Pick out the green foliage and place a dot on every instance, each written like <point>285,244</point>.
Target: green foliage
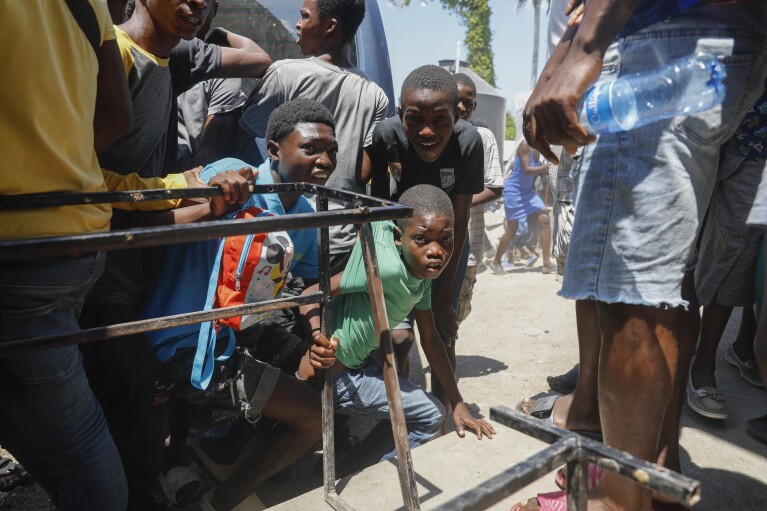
<point>511,127</point>
<point>475,16</point>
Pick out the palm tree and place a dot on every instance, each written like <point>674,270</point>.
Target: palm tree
<point>536,34</point>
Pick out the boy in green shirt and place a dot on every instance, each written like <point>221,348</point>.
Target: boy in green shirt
<point>410,255</point>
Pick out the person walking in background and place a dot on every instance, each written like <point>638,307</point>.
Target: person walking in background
<point>521,201</point>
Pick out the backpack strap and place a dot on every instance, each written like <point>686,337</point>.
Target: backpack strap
<point>82,12</point>
<point>204,358</point>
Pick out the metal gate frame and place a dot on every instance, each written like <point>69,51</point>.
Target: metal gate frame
<point>571,449</point>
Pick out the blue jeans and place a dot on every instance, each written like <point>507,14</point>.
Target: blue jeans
<point>362,392</point>
<point>641,195</point>
<point>49,417</point>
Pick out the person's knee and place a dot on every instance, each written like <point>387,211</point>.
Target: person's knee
<point>403,336</point>
<point>544,220</point>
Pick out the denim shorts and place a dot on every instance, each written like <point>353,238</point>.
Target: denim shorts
<point>640,195</point>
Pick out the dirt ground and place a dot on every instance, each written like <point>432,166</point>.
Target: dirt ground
<point>518,332</point>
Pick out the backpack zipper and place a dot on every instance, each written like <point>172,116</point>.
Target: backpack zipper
<point>243,258</point>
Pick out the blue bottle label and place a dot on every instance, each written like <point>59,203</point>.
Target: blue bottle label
<point>598,110</point>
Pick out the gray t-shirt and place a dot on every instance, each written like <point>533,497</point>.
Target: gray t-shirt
<point>356,102</point>
<point>211,97</point>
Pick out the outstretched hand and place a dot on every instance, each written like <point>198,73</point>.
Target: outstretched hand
<point>236,187</point>
<point>462,418</point>
<point>322,354</point>
<point>574,9</point>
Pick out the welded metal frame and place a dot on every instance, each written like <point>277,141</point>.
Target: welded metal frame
<point>364,209</point>
<point>576,452</point>
<point>571,449</point>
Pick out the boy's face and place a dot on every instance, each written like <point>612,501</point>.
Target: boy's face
<point>428,117</point>
<point>467,103</point>
<point>427,245</point>
<point>179,18</point>
<point>308,154</point>
<point>312,29</point>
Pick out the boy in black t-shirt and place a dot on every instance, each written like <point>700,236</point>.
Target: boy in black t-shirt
<point>428,144</point>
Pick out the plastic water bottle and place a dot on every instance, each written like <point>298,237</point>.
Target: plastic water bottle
<point>685,86</point>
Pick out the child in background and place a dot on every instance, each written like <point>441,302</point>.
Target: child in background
<point>410,255</point>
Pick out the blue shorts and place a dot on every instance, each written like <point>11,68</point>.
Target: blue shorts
<point>641,195</point>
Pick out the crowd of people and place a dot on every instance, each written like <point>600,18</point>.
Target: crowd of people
<point>647,225</point>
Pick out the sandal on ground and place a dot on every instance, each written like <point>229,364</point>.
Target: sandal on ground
<point>181,485</point>
<point>747,368</point>
<point>557,501</point>
<point>564,383</point>
<point>758,428</point>
<point>544,410</point>
<point>12,475</point>
<point>594,474</point>
<point>552,268</point>
<point>251,503</point>
<point>497,268</point>
<point>707,401</point>
<point>531,261</point>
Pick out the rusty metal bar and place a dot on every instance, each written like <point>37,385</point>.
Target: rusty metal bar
<point>577,484</point>
<point>47,200</point>
<point>78,245</point>
<point>513,479</point>
<point>147,325</point>
<point>396,412</point>
<point>328,409</point>
<point>678,487</point>
<point>337,503</point>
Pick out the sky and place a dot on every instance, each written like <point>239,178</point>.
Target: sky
<point>425,33</point>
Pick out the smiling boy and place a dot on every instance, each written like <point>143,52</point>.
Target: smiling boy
<point>410,256</point>
<point>428,144</point>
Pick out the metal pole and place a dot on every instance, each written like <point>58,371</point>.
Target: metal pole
<point>149,325</point>
<point>577,485</point>
<point>397,414</point>
<point>328,440</point>
<point>78,245</point>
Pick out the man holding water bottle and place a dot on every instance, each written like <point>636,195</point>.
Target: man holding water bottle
<point>641,195</point>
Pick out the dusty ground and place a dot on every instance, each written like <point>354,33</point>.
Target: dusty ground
<point>519,332</point>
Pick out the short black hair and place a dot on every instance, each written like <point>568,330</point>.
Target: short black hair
<point>349,13</point>
<point>466,81</point>
<point>426,200</point>
<point>430,77</point>
<point>283,120</point>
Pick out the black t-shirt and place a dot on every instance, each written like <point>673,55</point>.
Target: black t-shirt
<point>191,62</point>
<point>458,170</point>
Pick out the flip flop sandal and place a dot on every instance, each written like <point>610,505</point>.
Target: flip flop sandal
<point>557,501</point>
<point>594,474</point>
<point>11,470</point>
<point>181,485</point>
<point>543,410</point>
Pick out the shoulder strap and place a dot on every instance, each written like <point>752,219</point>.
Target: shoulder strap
<point>204,358</point>
<point>82,12</point>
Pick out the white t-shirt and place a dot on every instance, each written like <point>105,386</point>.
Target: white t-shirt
<point>493,179</point>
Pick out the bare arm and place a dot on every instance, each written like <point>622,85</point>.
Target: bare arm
<point>322,353</point>
<point>217,138</point>
<point>240,57</point>
<point>549,116</point>
<point>377,172</point>
<point>114,107</point>
<point>487,195</point>
<point>435,352</point>
<point>524,161</point>
<point>448,326</point>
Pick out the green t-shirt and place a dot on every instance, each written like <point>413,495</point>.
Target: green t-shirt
<point>352,314</point>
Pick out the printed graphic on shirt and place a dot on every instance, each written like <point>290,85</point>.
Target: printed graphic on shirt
<point>447,177</point>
